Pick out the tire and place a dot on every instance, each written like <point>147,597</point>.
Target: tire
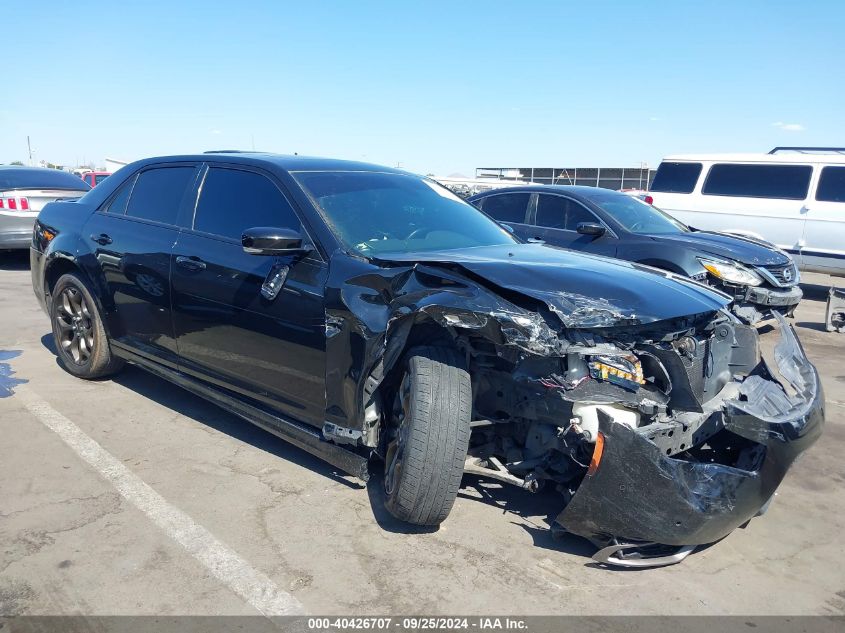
<point>81,341</point>
<point>425,457</point>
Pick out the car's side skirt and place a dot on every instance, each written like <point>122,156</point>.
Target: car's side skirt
<point>298,434</point>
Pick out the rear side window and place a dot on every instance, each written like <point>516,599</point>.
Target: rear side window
<point>158,193</point>
<point>676,177</point>
<point>507,207</point>
<point>831,185</point>
<point>557,212</point>
<point>785,182</point>
<point>233,201</point>
<point>118,204</point>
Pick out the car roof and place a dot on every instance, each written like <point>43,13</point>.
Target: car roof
<point>577,190</point>
<point>785,158</point>
<point>291,163</point>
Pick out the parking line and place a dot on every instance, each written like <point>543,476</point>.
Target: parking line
<point>223,562</point>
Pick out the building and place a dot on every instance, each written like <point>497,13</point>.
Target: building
<point>606,177</point>
<point>112,164</point>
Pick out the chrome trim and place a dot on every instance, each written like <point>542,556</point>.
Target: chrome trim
<point>607,556</point>
<point>768,276</point>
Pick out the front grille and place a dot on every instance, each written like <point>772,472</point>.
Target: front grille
<point>783,275</point>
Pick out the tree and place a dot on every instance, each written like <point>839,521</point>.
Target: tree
<point>16,162</point>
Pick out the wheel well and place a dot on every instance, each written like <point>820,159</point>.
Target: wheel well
<point>424,333</point>
<point>55,270</point>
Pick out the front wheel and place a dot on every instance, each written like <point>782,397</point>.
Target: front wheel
<point>427,448</point>
<point>81,340</point>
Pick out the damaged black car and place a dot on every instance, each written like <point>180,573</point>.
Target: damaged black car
<point>359,311</point>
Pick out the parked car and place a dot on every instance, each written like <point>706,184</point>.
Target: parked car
<point>23,193</point>
<point>758,276</point>
<point>792,197</point>
<point>357,311</point>
<point>95,178</point>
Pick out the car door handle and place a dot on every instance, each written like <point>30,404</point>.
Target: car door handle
<point>191,263</point>
<point>102,239</point>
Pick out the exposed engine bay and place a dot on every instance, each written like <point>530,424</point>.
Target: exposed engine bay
<point>540,416</point>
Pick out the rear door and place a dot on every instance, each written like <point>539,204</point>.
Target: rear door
<point>272,350</point>
<point>556,219</point>
<point>131,237</point>
<point>824,229</point>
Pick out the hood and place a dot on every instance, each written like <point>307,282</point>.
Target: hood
<point>583,290</point>
<point>745,250</point>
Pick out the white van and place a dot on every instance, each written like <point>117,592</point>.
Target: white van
<point>793,197</point>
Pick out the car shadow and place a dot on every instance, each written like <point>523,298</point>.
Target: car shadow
<point>537,513</point>
<point>187,404</point>
<point>818,292</point>
<point>532,509</point>
<point>14,260</point>
<point>812,325</point>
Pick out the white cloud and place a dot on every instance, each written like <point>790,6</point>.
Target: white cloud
<point>789,127</point>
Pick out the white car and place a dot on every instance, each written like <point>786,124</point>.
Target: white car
<point>23,193</point>
<point>791,197</point>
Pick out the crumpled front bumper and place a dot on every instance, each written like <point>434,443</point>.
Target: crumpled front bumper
<point>637,493</point>
<point>772,298</point>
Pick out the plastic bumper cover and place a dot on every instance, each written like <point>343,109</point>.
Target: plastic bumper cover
<point>639,494</point>
<point>769,297</point>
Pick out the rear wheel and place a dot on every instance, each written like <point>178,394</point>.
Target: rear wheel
<point>425,454</point>
<point>81,340</point>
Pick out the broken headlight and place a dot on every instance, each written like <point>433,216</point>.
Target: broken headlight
<point>732,272</point>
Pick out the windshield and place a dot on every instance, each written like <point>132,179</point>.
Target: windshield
<point>372,213</point>
<point>636,215</point>
<point>39,178</point>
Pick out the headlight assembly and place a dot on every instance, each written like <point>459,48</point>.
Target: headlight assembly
<point>732,272</point>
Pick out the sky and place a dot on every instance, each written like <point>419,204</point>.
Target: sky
<point>432,87</point>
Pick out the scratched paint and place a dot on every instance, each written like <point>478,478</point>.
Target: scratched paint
<point>7,380</point>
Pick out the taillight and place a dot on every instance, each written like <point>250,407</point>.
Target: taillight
<point>24,204</point>
<point>2,203</point>
<point>13,204</point>
<point>648,200</point>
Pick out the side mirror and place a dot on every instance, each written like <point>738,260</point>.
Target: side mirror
<point>591,228</point>
<point>266,240</point>
<point>507,227</point>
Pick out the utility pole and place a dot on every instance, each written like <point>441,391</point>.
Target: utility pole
<point>29,147</point>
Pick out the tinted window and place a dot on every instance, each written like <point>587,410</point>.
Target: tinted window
<point>39,178</point>
<point>158,193</point>
<point>99,179</point>
<point>676,177</point>
<point>832,185</point>
<point>88,178</point>
<point>788,182</point>
<point>557,212</point>
<point>233,201</point>
<point>118,205</point>
<point>507,207</point>
<point>373,213</point>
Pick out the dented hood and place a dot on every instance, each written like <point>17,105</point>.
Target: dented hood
<point>583,290</point>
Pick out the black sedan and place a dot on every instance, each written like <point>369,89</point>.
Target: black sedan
<point>758,276</point>
<point>359,311</point>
